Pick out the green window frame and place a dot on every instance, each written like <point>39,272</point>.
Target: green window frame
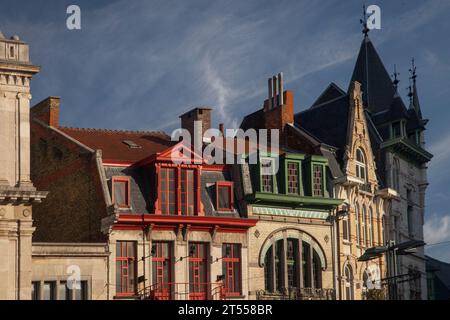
<point>289,177</point>
<point>264,178</point>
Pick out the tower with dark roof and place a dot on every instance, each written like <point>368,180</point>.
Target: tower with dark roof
<point>398,143</point>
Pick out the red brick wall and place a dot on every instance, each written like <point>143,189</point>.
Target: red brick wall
<point>74,207</point>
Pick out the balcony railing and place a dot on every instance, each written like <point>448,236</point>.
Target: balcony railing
<point>183,291</point>
<point>366,187</point>
<point>297,294</point>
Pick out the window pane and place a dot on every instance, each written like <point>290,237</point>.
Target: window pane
<point>168,191</point>
<point>63,291</point>
<point>81,293</point>
<point>120,193</point>
<point>224,197</point>
<point>317,180</point>
<point>292,178</point>
<point>36,286</point>
<point>125,267</point>
<point>49,291</point>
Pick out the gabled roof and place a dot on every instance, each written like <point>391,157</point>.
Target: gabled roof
<point>331,92</point>
<point>115,144</point>
<point>376,83</point>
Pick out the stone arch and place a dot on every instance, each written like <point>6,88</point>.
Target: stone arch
<point>292,232</point>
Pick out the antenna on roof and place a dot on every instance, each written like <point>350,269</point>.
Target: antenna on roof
<point>363,22</point>
<point>394,75</point>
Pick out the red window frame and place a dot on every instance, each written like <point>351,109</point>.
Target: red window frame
<point>198,261</point>
<point>230,187</point>
<point>180,207</point>
<point>165,206</point>
<point>232,269</point>
<point>161,263</point>
<point>125,262</point>
<point>121,179</point>
<point>186,192</point>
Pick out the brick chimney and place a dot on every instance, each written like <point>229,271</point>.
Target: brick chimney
<point>279,107</point>
<point>196,114</point>
<point>47,111</point>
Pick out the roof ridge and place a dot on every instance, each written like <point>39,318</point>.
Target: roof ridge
<point>112,131</point>
<point>323,104</point>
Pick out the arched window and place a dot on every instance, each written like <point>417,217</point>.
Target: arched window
<point>396,174</point>
<point>364,226</point>
<point>361,170</point>
<point>294,261</point>
<point>357,223</point>
<point>369,228</point>
<point>346,228</point>
<point>348,282</point>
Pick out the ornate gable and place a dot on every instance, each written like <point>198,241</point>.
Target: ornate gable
<point>358,142</point>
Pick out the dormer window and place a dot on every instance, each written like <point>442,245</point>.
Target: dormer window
<point>292,174</point>
<point>178,191</point>
<point>224,196</point>
<point>361,169</point>
<point>267,166</point>
<point>121,191</point>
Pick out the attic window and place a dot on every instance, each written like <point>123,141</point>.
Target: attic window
<point>132,144</point>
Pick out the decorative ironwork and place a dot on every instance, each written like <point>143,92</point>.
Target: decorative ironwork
<point>183,291</point>
<point>297,294</point>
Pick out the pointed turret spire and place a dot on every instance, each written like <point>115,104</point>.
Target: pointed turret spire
<point>414,95</point>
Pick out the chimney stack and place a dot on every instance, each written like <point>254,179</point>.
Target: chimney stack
<point>47,111</point>
<point>201,114</point>
<point>279,107</point>
<point>276,90</point>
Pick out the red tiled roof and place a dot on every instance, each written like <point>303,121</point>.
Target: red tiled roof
<point>111,142</point>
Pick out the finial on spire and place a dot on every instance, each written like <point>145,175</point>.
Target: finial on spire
<point>412,71</point>
<point>363,22</point>
<point>394,75</point>
<point>410,94</point>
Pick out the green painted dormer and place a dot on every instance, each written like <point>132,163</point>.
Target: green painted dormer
<point>298,180</point>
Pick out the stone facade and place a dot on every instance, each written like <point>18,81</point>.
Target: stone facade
<point>17,192</point>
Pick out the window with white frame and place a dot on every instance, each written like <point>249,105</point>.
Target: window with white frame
<point>361,169</point>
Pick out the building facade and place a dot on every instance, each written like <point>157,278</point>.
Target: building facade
<point>398,140</point>
<point>166,215</point>
<point>288,191</point>
<point>341,122</point>
<point>17,192</point>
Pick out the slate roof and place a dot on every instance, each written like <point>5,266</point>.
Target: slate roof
<point>441,272</point>
<point>112,144</point>
<point>376,83</point>
<point>327,122</point>
<point>254,120</point>
<point>331,92</point>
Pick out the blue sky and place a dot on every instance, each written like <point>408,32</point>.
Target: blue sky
<point>140,64</point>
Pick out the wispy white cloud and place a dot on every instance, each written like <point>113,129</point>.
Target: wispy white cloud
<point>437,229</point>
